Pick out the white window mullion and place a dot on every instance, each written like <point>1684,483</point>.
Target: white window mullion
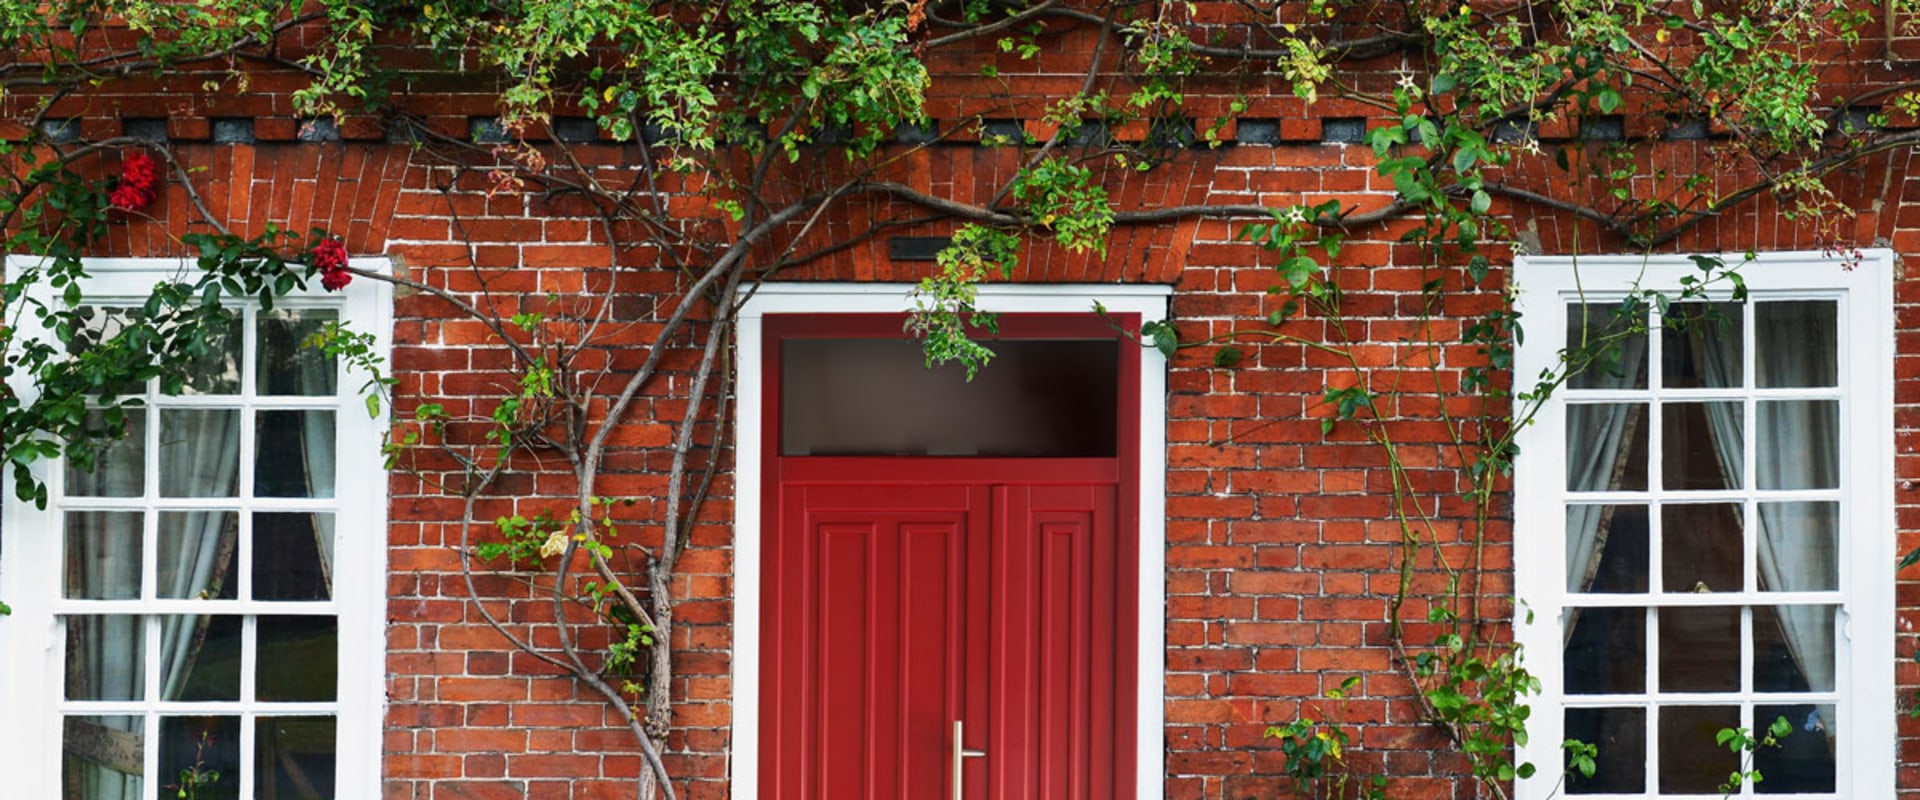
<point>1651,709</point>
<point>249,661</point>
<point>150,757</point>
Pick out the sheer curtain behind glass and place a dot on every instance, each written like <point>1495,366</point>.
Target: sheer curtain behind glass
<point>1796,447</point>
<point>1598,437</point>
<point>201,451</point>
<point>288,367</point>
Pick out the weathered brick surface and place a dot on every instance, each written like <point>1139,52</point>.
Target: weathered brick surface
<point>1279,554</point>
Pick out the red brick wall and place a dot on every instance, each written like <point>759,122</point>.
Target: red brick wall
<point>1279,547</point>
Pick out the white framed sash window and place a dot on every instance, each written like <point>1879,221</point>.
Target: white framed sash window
<point>1704,525</point>
<point>203,611</point>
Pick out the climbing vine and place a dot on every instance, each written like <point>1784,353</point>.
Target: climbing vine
<point>753,122</point>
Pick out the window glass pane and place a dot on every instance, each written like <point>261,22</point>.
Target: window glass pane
<point>1701,346</point>
<point>99,326</point>
<point>103,555</point>
<point>1799,547</point>
<point>1702,445</point>
<point>1700,650</point>
<point>1606,447</point>
<point>293,454</point>
<point>1793,648</point>
<point>1607,346</point>
<point>1691,760</point>
<point>292,556</point>
<point>105,654</point>
<point>1702,548</point>
<point>1803,760</point>
<point>200,657</point>
<point>101,323</point>
<point>294,757</point>
<point>217,369</point>
<point>195,555</point>
<point>1606,549</point>
<point>101,757</point>
<point>119,468</point>
<point>299,658</point>
<point>877,397</point>
<point>202,753</point>
<point>1795,344</point>
<point>199,452</point>
<point>287,365</point>
<point>1606,651</point>
<point>1799,444</point>
<point>1619,738</point>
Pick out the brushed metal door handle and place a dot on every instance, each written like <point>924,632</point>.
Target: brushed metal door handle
<point>960,755</point>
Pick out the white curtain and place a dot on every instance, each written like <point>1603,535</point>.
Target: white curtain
<point>288,366</point>
<point>317,459</point>
<point>104,562</point>
<point>1795,550</point>
<point>204,462</point>
<point>1597,444</point>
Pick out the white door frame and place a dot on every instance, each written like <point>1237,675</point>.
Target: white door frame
<point>1148,301</point>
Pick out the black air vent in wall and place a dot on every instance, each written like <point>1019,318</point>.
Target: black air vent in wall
<point>916,248</point>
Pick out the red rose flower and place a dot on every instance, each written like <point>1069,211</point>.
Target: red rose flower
<point>330,259</point>
<point>329,255</point>
<point>335,280</point>
<point>139,182</point>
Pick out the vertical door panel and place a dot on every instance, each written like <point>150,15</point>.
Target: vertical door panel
<point>865,666</point>
<point>842,670</point>
<point>1053,646</point>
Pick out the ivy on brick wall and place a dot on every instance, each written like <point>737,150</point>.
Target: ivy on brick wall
<point>760,126</point>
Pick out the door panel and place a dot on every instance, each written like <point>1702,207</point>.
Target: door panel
<point>1053,644</point>
<point>895,610</point>
<point>868,670</point>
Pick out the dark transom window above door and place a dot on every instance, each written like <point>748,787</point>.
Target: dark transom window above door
<point>876,397</point>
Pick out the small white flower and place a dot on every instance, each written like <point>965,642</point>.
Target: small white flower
<point>555,545</point>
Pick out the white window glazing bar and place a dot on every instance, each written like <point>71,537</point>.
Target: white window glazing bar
<point>203,707</point>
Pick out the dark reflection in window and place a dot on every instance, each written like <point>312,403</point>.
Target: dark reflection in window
<point>299,658</point>
<point>200,757</point>
<point>1702,449</point>
<point>1702,345</point>
<point>1610,339</point>
<point>292,556</point>
<point>1700,649</point>
<point>205,662</point>
<point>878,397</point>
<point>1619,738</point>
<point>1802,761</point>
<point>1702,547</point>
<point>294,757</point>
<point>1609,549</point>
<point>1607,653</point>
<point>1692,761</point>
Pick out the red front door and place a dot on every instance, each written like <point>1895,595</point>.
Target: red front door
<point>912,598</point>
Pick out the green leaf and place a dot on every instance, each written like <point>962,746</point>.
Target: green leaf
<point>1166,340</point>
<point>1481,202</point>
<point>1608,99</point>
<point>1227,356</point>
